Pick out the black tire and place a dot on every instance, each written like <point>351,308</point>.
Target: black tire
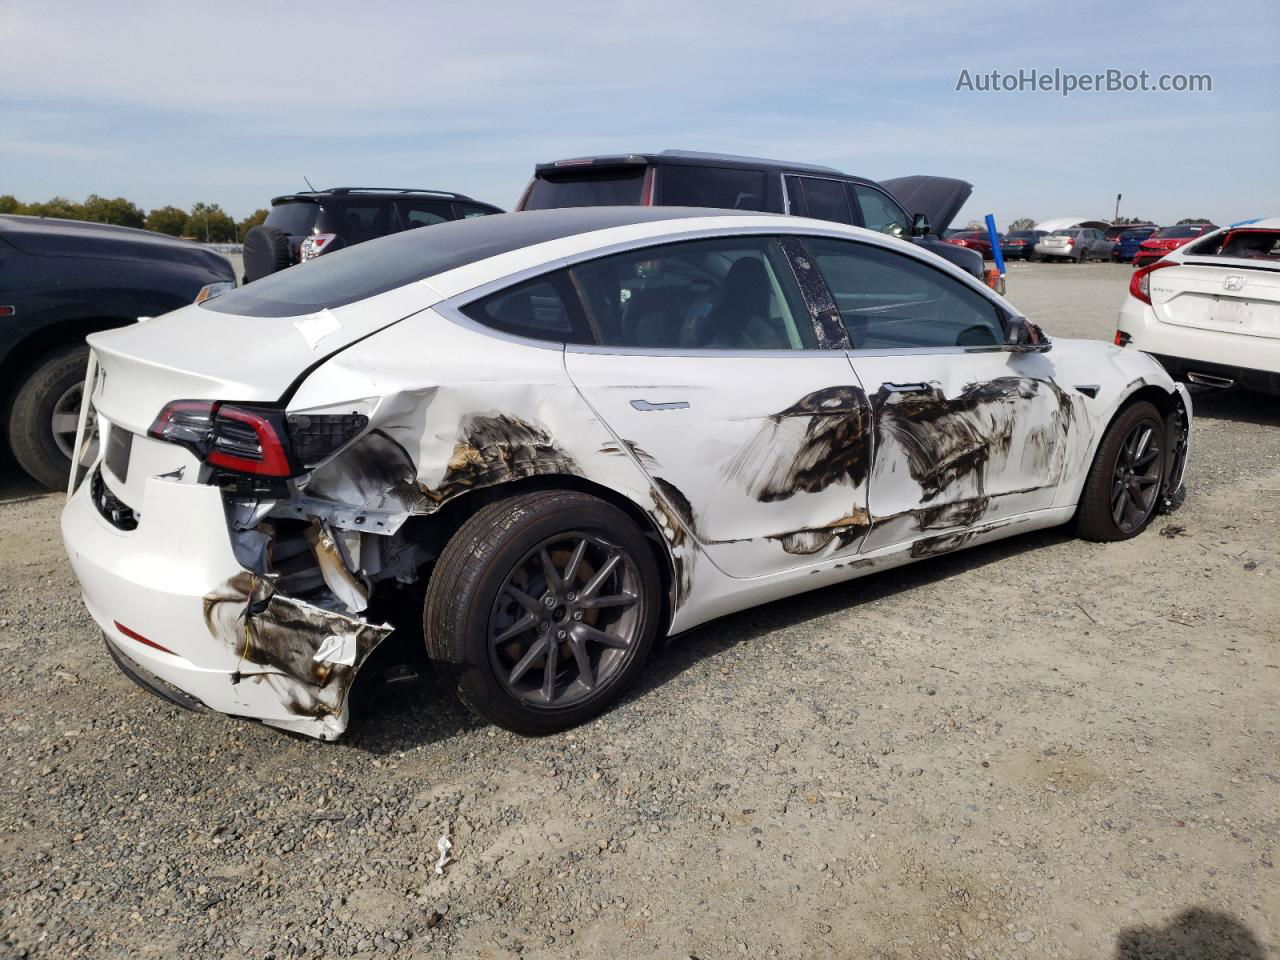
<point>266,251</point>
<point>34,437</point>
<point>1096,516</point>
<point>470,607</point>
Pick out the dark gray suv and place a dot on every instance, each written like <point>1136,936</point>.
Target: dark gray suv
<point>685,178</point>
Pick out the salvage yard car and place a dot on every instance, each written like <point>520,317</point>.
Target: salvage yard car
<point>1165,240</point>
<point>1210,310</point>
<point>59,281</point>
<point>571,432</point>
<point>1078,243</point>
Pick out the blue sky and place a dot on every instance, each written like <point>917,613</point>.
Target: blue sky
<point>234,102</point>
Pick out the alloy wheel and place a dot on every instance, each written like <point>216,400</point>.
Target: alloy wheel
<point>1136,480</point>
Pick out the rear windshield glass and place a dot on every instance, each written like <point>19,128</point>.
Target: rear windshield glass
<point>1243,244</point>
<point>1139,234</point>
<point>293,218</point>
<point>1178,233</point>
<point>607,189</point>
<point>722,187</point>
<point>1025,234</point>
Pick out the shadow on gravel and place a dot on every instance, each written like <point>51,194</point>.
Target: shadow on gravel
<point>1237,406</point>
<point>1194,934</point>
<point>16,485</point>
<point>706,641</point>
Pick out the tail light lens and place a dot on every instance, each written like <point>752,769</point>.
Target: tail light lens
<point>1122,339</point>
<point>646,190</point>
<point>260,441</point>
<point>315,245</point>
<point>1140,282</point>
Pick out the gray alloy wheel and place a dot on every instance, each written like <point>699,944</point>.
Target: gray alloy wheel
<point>66,419</point>
<point>565,620</point>
<point>1135,481</point>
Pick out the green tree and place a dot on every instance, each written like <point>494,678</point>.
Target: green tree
<point>170,220</point>
<point>252,220</point>
<point>1022,223</point>
<point>209,222</point>
<point>1124,220</point>
<point>116,210</point>
<point>57,207</point>
<point>9,204</point>
<point>1194,220</point>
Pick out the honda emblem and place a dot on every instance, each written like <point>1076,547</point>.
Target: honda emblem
<point>1233,282</point>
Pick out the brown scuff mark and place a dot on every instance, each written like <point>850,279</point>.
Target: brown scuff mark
<point>934,546</point>
<point>673,513</point>
<point>277,639</point>
<point>834,447</point>
<point>497,448</point>
<point>844,532</point>
<point>944,440</point>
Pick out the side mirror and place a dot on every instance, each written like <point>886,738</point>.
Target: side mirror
<point>1023,336</point>
<point>919,225</point>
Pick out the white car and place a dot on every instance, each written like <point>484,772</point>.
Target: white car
<point>564,433</point>
<point>1210,310</point>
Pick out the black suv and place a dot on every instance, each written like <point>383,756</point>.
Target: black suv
<point>686,178</point>
<point>305,225</point>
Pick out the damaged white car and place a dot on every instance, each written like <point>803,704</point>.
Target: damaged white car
<point>563,434</point>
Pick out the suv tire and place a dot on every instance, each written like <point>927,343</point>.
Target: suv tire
<point>266,251</point>
<point>33,434</point>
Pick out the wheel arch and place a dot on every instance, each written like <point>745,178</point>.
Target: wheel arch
<point>45,340</point>
<point>436,528</point>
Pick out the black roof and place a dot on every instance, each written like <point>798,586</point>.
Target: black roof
<point>312,196</point>
<point>686,158</point>
<point>376,266</point>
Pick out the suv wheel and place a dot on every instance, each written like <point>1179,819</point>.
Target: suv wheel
<point>45,414</point>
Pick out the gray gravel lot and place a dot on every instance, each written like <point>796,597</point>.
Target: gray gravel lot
<point>1039,748</point>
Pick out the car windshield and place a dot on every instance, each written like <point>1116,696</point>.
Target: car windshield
<point>1024,234</point>
<point>587,189</point>
<point>1140,234</point>
<point>1245,244</point>
<point>1180,232</point>
<point>1066,233</point>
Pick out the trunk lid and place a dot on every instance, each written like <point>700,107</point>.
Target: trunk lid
<point>198,354</point>
<point>1224,296</point>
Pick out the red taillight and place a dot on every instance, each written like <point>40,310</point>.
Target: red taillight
<point>248,443</point>
<point>646,191</point>
<point>134,635</point>
<point>1070,241</point>
<point>1122,339</point>
<point>1140,284</point>
<point>315,245</point>
<point>234,438</point>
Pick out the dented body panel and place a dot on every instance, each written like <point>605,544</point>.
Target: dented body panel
<point>756,475</point>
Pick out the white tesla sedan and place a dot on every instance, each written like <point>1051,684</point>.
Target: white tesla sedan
<point>1210,310</point>
<point>571,431</point>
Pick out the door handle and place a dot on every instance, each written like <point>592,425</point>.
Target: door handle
<point>907,388</point>
<point>644,406</point>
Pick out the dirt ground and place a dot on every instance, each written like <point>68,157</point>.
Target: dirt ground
<point>1039,748</point>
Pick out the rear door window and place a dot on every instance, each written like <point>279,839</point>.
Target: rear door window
<point>368,220</point>
<point>891,300</point>
<point>545,308</point>
<point>879,211</point>
<point>607,188</point>
<point>422,213</point>
<point>464,211</point>
<point>724,187</point>
<point>824,199</point>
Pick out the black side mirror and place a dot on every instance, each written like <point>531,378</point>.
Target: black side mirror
<point>919,225</point>
<point>1023,336</point>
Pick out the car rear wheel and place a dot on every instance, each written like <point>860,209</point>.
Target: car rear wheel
<point>542,609</point>
<point>1123,488</point>
<point>45,415</point>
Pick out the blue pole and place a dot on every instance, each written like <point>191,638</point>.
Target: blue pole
<point>995,243</point>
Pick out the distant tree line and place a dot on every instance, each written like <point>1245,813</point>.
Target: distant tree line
<point>204,221</point>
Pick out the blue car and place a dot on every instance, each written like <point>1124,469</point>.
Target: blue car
<point>1127,246</point>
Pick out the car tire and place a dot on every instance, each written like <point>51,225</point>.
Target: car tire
<point>1122,491</point>
<point>266,251</point>
<point>42,445</point>
<point>492,577</point>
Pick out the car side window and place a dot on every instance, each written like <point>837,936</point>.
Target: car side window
<point>879,211</point>
<point>727,293</point>
<point>824,199</point>
<point>890,299</point>
<point>368,219</point>
<point>544,308</point>
<point>466,211</point>
<point>727,187</point>
<point>422,214</point>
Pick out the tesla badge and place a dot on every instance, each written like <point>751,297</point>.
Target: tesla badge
<point>1233,283</point>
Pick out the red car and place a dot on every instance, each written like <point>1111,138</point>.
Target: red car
<point>974,240</point>
<point>1168,238</point>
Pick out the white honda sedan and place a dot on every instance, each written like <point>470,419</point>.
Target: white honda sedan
<point>1210,310</point>
<point>563,434</point>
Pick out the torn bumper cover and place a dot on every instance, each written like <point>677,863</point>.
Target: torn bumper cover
<point>172,599</point>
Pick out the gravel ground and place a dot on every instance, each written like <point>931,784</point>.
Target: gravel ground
<point>1039,748</point>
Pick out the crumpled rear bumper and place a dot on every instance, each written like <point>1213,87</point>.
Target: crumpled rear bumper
<point>172,599</point>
